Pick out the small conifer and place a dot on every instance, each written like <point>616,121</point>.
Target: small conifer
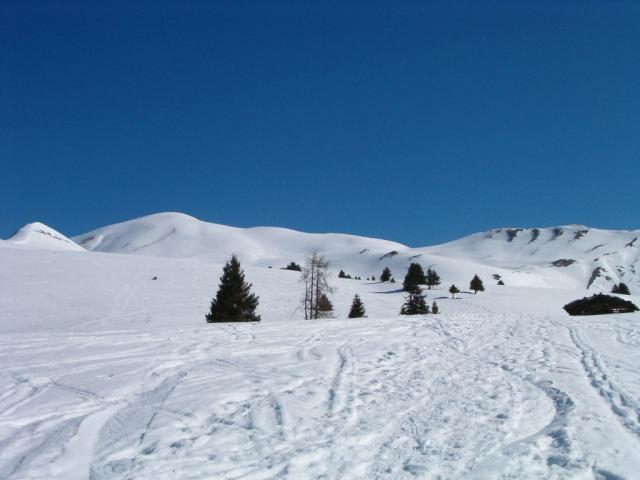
<point>234,301</point>
<point>386,275</point>
<point>325,308</point>
<point>476,284</point>
<point>433,279</point>
<point>357,308</point>
<point>415,276</point>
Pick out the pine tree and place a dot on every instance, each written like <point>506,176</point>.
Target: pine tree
<point>234,301</point>
<point>325,308</point>
<point>500,282</point>
<point>414,305</point>
<point>453,290</point>
<point>621,289</point>
<point>434,308</point>
<point>415,276</point>
<point>342,274</point>
<point>357,308</point>
<point>386,275</point>
<point>393,280</point>
<point>433,279</point>
<point>476,284</point>
<point>373,278</point>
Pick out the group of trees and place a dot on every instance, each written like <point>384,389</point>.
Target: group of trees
<point>348,276</point>
<point>621,289</point>
<point>416,276</point>
<point>234,301</point>
<point>416,304</point>
<point>293,266</point>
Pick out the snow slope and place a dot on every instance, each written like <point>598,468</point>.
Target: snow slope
<point>583,257</point>
<point>175,235</point>
<point>571,256</point>
<point>39,236</point>
<point>106,373</point>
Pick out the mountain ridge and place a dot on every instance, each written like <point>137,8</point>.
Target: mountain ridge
<point>567,256</point>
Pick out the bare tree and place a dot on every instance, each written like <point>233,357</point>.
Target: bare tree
<point>316,286</point>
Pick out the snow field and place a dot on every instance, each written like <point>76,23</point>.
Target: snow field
<point>130,382</point>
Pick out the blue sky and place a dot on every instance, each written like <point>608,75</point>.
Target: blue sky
<point>413,121</point>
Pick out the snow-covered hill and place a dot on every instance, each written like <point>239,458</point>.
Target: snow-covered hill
<point>39,236</point>
<point>175,235</point>
<point>571,256</point>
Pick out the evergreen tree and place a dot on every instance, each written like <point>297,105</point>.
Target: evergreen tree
<point>621,289</point>
<point>325,308</point>
<point>500,282</point>
<point>476,284</point>
<point>433,279</point>
<point>386,275</point>
<point>415,276</point>
<point>342,274</point>
<point>373,278</point>
<point>414,305</point>
<point>453,290</point>
<point>357,308</point>
<point>393,280</point>
<point>234,301</point>
<point>293,266</point>
<point>434,308</point>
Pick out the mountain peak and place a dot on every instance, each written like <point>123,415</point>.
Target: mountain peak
<point>41,236</point>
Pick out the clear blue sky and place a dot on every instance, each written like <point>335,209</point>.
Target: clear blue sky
<point>417,122</point>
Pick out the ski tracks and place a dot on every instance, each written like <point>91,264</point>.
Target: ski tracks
<point>623,404</point>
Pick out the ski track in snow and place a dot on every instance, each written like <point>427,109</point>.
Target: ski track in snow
<point>436,397</point>
<point>125,388</point>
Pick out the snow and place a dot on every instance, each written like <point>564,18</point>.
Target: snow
<point>40,236</point>
<point>522,257</point>
<point>106,373</point>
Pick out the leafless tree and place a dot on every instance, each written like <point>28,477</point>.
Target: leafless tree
<point>316,286</point>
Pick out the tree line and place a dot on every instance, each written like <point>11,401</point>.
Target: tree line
<point>234,301</point>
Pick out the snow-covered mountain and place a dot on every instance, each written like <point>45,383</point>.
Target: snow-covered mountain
<point>175,235</point>
<point>572,256</point>
<point>40,236</point>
